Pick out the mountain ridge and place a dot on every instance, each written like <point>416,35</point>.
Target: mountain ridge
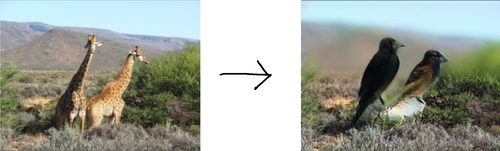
<point>61,49</point>
<point>166,43</point>
<point>344,47</point>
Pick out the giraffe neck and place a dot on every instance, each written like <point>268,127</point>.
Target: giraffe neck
<point>124,77</point>
<point>79,78</point>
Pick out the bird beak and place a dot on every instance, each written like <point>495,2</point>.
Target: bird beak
<point>443,59</point>
<point>401,45</point>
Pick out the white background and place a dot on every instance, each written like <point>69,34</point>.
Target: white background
<point>234,35</point>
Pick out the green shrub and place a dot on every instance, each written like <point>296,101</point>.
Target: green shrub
<point>22,120</point>
<point>195,129</point>
<point>44,80</point>
<point>26,79</point>
<point>170,87</point>
<point>310,100</point>
<point>468,91</point>
<point>9,97</point>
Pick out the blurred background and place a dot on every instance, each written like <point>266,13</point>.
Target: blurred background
<point>343,36</point>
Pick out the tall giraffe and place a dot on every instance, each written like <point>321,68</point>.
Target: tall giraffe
<point>72,102</point>
<point>110,103</point>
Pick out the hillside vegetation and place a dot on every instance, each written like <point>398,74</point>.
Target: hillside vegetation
<point>462,110</point>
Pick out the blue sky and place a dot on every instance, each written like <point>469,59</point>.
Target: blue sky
<point>158,18</point>
<point>454,18</point>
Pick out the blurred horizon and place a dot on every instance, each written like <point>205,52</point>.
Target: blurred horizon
<point>445,18</point>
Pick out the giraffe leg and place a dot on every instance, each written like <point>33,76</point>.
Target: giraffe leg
<point>95,115</point>
<point>81,112</point>
<point>118,110</point>
<point>74,110</point>
<point>117,118</point>
<point>89,118</point>
<point>71,118</point>
<point>97,121</point>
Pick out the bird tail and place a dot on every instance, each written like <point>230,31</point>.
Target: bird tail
<point>364,110</point>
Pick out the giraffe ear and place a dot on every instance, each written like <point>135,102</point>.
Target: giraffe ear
<point>87,45</point>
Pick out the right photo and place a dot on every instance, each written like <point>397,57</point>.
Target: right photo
<point>400,75</point>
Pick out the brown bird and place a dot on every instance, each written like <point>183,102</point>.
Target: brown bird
<point>379,73</point>
<point>423,76</point>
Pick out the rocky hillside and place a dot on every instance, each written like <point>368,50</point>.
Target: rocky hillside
<point>63,49</point>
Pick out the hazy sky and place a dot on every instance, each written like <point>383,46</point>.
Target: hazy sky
<point>158,18</point>
<point>470,19</point>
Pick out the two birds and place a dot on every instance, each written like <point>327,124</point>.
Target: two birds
<point>382,69</point>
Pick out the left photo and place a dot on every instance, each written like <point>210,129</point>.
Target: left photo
<point>92,75</point>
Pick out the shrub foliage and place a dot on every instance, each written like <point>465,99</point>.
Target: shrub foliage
<point>167,89</point>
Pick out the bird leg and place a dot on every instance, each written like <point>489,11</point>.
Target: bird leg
<point>381,100</point>
<point>378,116</point>
<point>419,120</point>
<point>419,99</point>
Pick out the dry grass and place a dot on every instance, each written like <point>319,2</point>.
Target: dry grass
<point>34,102</point>
<point>327,129</point>
<point>50,83</point>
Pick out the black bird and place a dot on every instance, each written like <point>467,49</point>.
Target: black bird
<point>379,73</point>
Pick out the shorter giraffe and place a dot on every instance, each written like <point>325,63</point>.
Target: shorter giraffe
<point>110,103</point>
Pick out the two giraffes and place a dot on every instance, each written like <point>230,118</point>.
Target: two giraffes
<point>108,103</point>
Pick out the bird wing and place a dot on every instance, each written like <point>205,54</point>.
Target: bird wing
<point>375,78</point>
<point>374,73</point>
<point>418,82</point>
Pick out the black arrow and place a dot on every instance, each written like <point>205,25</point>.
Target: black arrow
<point>255,74</point>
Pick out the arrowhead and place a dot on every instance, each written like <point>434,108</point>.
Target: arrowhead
<point>265,73</point>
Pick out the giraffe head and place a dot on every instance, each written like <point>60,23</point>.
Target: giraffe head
<point>138,56</point>
<point>91,44</point>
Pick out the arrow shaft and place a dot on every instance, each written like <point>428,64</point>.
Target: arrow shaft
<point>258,74</point>
<point>255,74</point>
